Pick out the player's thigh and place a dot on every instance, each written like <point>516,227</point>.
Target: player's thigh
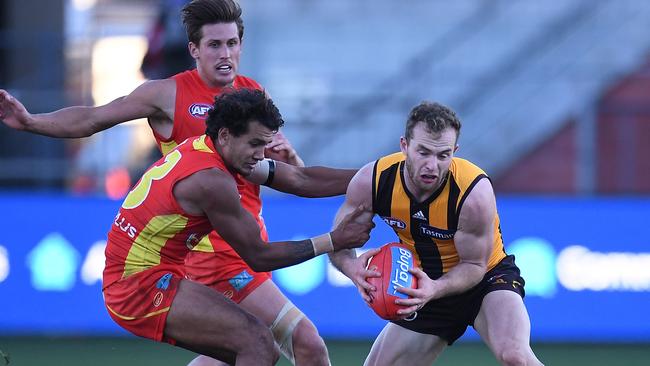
<point>503,321</point>
<point>205,321</point>
<point>397,346</point>
<point>264,302</point>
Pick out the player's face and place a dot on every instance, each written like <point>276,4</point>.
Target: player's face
<point>217,55</point>
<point>243,152</point>
<point>428,157</point>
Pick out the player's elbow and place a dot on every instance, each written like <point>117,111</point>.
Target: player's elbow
<point>477,271</point>
<point>260,264</point>
<point>263,267</point>
<point>257,261</point>
<point>92,128</point>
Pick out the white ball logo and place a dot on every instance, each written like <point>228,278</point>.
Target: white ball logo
<point>4,264</point>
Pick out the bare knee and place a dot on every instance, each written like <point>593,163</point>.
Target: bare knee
<point>308,346</point>
<point>206,361</point>
<point>513,357</point>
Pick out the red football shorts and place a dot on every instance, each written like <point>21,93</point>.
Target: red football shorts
<point>140,303</point>
<point>225,272</point>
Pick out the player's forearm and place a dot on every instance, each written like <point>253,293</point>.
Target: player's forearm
<point>324,182</point>
<point>280,254</point>
<point>276,255</point>
<point>67,122</point>
<point>462,277</point>
<point>341,258</point>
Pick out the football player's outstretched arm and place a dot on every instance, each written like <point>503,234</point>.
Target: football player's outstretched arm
<point>359,193</point>
<point>81,121</point>
<point>213,193</point>
<point>314,181</point>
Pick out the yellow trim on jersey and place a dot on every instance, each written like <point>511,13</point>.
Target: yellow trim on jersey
<point>199,144</point>
<point>385,162</point>
<point>167,146</point>
<point>145,251</point>
<point>124,317</point>
<point>204,245</point>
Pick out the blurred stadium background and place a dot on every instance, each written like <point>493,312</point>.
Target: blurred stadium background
<point>555,100</point>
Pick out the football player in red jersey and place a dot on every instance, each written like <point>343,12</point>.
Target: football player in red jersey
<point>176,109</point>
<point>187,193</point>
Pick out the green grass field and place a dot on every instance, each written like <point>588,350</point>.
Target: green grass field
<point>42,351</point>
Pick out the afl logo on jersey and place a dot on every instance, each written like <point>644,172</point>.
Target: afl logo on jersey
<point>394,223</point>
<point>200,110</point>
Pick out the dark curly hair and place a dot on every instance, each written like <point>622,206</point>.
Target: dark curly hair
<point>198,13</point>
<point>435,116</point>
<point>236,108</point>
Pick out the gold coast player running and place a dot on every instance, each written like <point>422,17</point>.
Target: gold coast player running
<point>183,196</point>
<point>176,109</point>
<point>444,207</point>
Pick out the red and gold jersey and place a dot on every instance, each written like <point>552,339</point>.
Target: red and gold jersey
<point>151,228</point>
<point>428,226</point>
<point>194,99</point>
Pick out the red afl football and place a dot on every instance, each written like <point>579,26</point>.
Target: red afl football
<point>393,261</point>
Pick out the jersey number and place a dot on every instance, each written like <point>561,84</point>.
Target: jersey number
<point>140,192</point>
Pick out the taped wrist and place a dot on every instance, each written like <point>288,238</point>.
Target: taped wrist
<point>322,244</point>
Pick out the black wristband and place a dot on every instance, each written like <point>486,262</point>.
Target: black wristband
<point>269,179</point>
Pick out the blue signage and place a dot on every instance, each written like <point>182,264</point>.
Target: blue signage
<point>586,263</point>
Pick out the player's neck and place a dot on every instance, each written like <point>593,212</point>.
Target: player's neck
<point>219,149</point>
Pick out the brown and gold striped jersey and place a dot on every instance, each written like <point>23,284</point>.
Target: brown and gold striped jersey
<point>428,226</point>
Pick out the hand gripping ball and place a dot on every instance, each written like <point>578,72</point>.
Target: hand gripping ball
<point>393,262</point>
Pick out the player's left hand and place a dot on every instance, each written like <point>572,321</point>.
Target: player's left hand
<point>280,149</point>
<point>12,112</point>
<point>418,297</point>
<point>358,272</point>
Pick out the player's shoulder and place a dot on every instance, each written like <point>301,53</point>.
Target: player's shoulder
<point>360,187</point>
<point>367,170</point>
<point>156,87</point>
<point>159,94</point>
<point>211,180</point>
<point>242,81</point>
<point>209,184</point>
<point>388,161</point>
<point>466,173</point>
<point>478,193</point>
<point>464,164</point>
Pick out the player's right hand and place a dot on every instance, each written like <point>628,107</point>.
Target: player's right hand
<point>354,230</point>
<point>12,112</point>
<point>358,271</point>
<point>280,149</point>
